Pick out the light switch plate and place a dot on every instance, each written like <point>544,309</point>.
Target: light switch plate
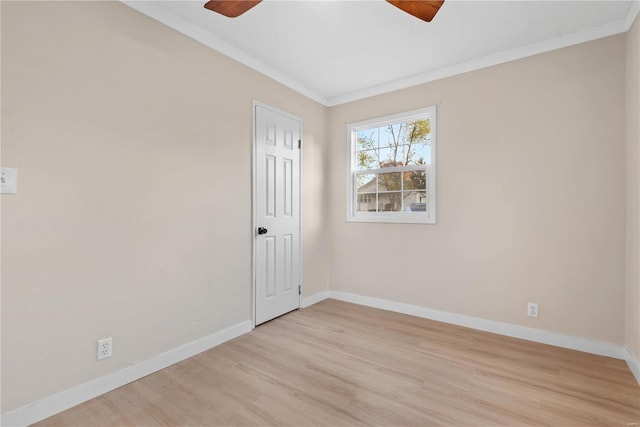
<point>8,180</point>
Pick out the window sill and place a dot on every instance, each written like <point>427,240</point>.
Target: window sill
<point>395,218</point>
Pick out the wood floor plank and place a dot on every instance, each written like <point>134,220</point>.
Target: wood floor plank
<point>340,364</point>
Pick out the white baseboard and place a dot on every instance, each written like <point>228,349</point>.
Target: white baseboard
<point>508,329</point>
<point>634,364</point>
<point>314,299</point>
<point>59,402</point>
<point>530,334</point>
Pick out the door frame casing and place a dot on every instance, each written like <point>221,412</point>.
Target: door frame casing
<point>254,203</point>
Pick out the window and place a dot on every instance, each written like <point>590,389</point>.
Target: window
<point>392,168</point>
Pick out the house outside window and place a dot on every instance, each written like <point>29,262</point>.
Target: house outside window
<point>391,175</point>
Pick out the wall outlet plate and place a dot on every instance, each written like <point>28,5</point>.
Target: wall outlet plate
<point>8,181</point>
<point>105,348</point>
<point>532,309</point>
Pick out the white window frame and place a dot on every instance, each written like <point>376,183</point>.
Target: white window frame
<point>427,217</point>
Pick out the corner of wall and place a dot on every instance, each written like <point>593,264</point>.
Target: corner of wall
<point>632,287</point>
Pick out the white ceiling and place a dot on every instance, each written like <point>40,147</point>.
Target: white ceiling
<point>339,51</point>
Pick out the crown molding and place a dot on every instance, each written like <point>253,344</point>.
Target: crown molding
<point>634,10</point>
<point>155,10</point>
<point>613,28</point>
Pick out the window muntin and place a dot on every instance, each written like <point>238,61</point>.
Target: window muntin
<point>392,168</point>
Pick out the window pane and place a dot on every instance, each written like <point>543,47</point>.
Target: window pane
<point>402,155</point>
<point>389,181</point>
<point>391,157</point>
<point>367,202</point>
<point>418,154</point>
<point>390,201</point>
<point>415,180</point>
<point>366,183</point>
<point>367,160</point>
<point>418,131</point>
<point>415,201</point>
<point>367,139</point>
<point>391,135</point>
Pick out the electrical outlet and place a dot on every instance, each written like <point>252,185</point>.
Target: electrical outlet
<point>8,181</point>
<point>105,348</point>
<point>532,309</point>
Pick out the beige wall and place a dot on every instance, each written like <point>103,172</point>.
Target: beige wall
<point>133,212</point>
<point>530,196</point>
<point>632,324</point>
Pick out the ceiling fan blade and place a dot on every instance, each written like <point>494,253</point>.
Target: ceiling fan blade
<point>421,9</point>
<point>231,8</point>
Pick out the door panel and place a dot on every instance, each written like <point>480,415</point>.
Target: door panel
<point>277,192</point>
<point>270,266</point>
<point>288,187</point>
<point>270,183</point>
<point>287,262</point>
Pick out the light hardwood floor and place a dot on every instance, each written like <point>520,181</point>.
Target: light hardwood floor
<point>339,364</point>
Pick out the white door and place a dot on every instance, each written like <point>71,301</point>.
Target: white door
<point>276,213</point>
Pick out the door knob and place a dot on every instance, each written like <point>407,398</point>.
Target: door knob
<point>262,230</point>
